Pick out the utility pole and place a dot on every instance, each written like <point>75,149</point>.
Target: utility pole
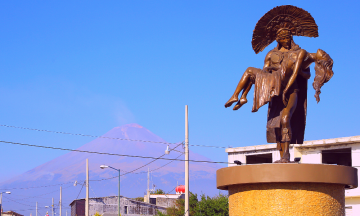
<point>52,207</point>
<point>186,162</point>
<point>60,202</point>
<point>36,210</point>
<point>148,186</point>
<point>87,189</point>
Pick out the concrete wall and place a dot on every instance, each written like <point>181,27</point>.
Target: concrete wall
<point>109,206</point>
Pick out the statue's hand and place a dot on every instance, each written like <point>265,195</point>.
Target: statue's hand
<point>284,98</point>
<point>269,69</point>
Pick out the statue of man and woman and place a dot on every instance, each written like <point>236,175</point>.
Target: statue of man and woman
<point>282,83</point>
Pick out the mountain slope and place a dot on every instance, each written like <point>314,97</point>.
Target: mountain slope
<point>70,167</point>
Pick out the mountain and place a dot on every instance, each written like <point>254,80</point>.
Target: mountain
<point>42,183</point>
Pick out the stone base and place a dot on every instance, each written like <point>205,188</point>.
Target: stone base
<point>287,199</point>
<point>286,189</point>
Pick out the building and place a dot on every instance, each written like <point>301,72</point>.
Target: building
<point>10,213</point>
<point>108,206</point>
<point>166,200</point>
<point>340,151</point>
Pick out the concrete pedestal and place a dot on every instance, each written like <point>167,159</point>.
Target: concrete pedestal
<point>287,189</point>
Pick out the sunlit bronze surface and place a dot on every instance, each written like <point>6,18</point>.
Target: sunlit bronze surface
<point>283,80</point>
<point>286,173</point>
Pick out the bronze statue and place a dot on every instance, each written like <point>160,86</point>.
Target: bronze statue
<point>283,81</point>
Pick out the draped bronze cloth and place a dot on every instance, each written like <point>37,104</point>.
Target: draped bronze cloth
<point>268,89</point>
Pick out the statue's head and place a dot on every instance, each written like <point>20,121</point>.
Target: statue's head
<point>324,72</point>
<point>322,56</point>
<point>284,38</point>
<point>280,23</point>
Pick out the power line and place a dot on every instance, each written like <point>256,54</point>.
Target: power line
<point>84,135</point>
<point>38,196</point>
<point>95,136</point>
<point>112,154</point>
<point>38,186</point>
<point>80,190</point>
<point>126,172</point>
<point>17,202</point>
<point>160,157</point>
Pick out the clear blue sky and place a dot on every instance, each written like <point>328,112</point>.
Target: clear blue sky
<point>88,66</point>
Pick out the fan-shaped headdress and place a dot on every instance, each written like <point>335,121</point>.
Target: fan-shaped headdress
<point>298,21</point>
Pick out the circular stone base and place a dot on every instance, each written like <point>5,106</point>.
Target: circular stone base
<point>286,189</point>
<point>286,199</point>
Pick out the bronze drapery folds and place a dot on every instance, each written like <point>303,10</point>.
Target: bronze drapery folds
<point>282,83</point>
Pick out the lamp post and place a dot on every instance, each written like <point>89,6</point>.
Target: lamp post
<point>105,166</point>
<point>7,192</point>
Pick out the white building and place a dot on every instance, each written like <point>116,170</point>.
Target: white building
<point>108,206</point>
<point>341,151</point>
<point>164,200</point>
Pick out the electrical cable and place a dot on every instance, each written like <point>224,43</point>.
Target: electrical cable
<point>38,186</point>
<point>110,177</point>
<point>112,154</point>
<point>37,196</point>
<point>80,190</point>
<point>17,201</point>
<point>84,135</point>
<point>95,136</point>
<point>160,157</point>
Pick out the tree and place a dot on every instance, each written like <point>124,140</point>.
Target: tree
<point>141,199</point>
<point>206,206</point>
<point>97,214</point>
<point>158,191</point>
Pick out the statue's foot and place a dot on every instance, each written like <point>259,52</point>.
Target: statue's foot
<point>239,104</point>
<point>232,100</point>
<point>283,160</point>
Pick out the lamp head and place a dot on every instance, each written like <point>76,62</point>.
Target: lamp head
<point>237,162</point>
<point>104,166</point>
<point>167,151</point>
<point>8,192</point>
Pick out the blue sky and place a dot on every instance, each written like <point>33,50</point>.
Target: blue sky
<point>88,66</point>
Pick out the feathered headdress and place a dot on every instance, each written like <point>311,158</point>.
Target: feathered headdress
<point>298,21</point>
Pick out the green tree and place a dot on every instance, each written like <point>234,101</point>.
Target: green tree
<point>141,199</point>
<point>158,191</point>
<point>97,214</point>
<point>206,206</point>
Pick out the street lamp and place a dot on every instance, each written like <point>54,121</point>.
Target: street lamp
<point>106,166</point>
<point>7,192</point>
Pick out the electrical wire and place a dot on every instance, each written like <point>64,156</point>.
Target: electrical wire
<point>80,190</point>
<point>17,202</point>
<point>24,188</point>
<point>84,135</point>
<point>160,157</point>
<point>103,137</point>
<point>112,154</point>
<point>43,194</point>
<point>126,172</point>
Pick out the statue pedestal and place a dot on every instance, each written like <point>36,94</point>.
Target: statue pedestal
<point>286,189</point>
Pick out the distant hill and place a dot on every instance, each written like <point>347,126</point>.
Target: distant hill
<point>70,167</point>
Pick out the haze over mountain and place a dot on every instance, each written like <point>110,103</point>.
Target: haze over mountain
<point>42,183</point>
